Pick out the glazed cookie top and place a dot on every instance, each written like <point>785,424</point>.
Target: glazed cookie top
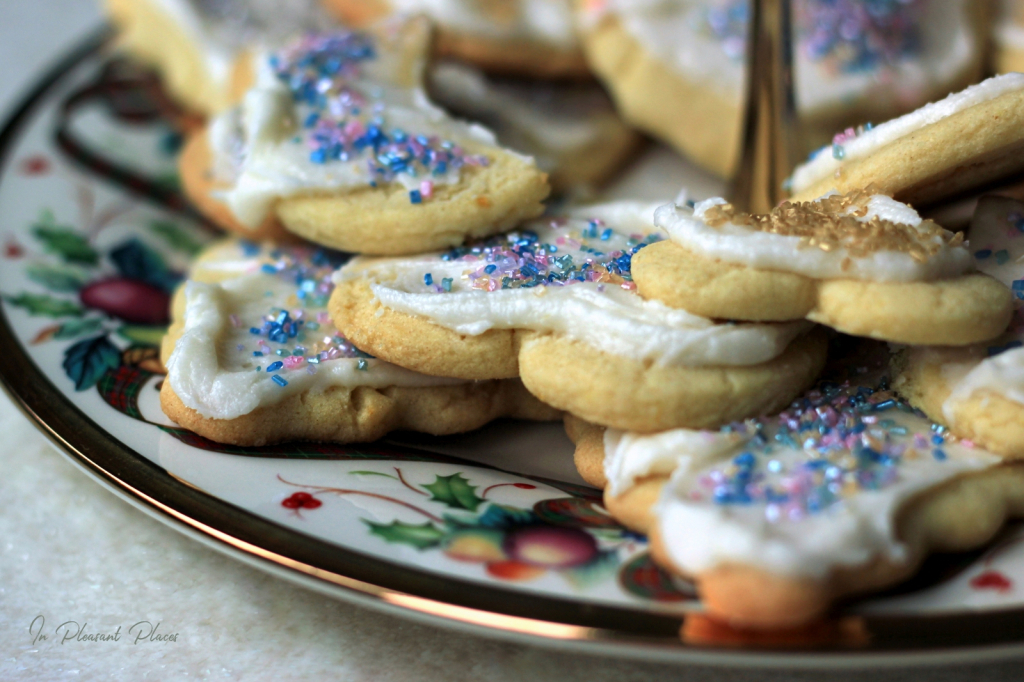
<point>997,243</point>
<point>224,28</point>
<point>340,111</point>
<point>813,488</point>
<point>548,21</point>
<point>568,274</point>
<point>851,145</point>
<point>843,47</point>
<point>858,235</point>
<point>256,331</point>
<point>537,118</point>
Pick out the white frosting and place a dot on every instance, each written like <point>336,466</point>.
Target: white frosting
<point>823,164</point>
<point>672,31</point>
<point>629,456</point>
<point>786,253</point>
<point>540,119</point>
<point>782,537</point>
<point>992,233</point>
<point>222,29</point>
<point>677,32</point>
<point>212,375</point>
<point>949,43</point>
<point>259,147</point>
<point>1008,31</point>
<point>605,315</point>
<point>546,21</point>
<point>701,535</point>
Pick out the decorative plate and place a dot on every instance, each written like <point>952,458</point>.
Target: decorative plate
<point>492,530</point>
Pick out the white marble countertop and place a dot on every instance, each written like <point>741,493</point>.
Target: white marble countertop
<point>71,551</point>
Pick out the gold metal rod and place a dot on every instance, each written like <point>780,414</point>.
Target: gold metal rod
<point>769,122</point>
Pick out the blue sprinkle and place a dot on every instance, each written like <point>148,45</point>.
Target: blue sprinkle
<point>983,254</point>
<point>745,460</point>
<point>274,366</point>
<point>257,354</point>
<point>446,283</point>
<point>606,234</point>
<point>415,196</point>
<point>318,156</point>
<point>492,267</point>
<point>254,330</point>
<point>937,440</point>
<point>428,279</point>
<point>939,454</point>
<point>279,381</point>
<point>1002,256</point>
<point>838,152</point>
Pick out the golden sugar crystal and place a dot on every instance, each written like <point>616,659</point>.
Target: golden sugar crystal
<point>836,222</point>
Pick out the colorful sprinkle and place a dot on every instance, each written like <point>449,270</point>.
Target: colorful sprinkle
<point>344,118</point>
<point>582,251</point>
<point>845,443</point>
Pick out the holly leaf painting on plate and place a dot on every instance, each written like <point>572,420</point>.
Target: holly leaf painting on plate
<point>176,237</point>
<point>454,491</point>
<point>43,304</point>
<point>64,279</point>
<point>419,536</point>
<point>71,329</point>
<point>87,361</point>
<point>64,242</point>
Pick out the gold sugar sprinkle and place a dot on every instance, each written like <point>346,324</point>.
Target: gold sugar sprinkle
<point>832,223</point>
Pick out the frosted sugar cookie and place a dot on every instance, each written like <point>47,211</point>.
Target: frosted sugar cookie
<point>943,149</point>
<point>776,519</point>
<point>676,67</point>
<point>572,130</point>
<point>553,302</point>
<point>1008,36</point>
<point>338,142</point>
<point>525,37</point>
<point>202,48</point>
<point>979,391</point>
<point>860,263</point>
<point>253,358</point>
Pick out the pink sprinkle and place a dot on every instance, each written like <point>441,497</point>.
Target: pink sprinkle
<point>323,318</point>
<point>427,189</point>
<point>293,361</point>
<point>354,129</point>
<point>628,286</point>
<point>311,369</point>
<point>235,321</point>
<point>967,443</point>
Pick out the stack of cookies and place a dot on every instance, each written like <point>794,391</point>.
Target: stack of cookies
<point>754,392</point>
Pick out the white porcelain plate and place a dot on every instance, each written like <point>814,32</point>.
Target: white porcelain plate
<point>492,530</point>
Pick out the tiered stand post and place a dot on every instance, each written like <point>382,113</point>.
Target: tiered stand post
<point>769,132</point>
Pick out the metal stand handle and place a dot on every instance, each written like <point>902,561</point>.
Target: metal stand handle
<point>770,123</point>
